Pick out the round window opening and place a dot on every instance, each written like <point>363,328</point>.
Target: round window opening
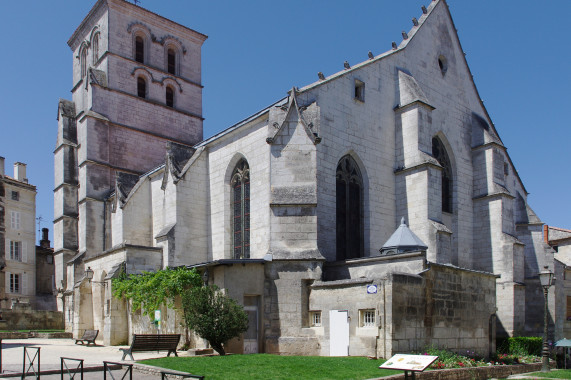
<point>443,64</point>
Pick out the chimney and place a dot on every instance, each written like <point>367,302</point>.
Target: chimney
<point>45,242</point>
<point>1,165</point>
<point>20,172</point>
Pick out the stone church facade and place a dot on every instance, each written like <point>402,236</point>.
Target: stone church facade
<point>374,211</point>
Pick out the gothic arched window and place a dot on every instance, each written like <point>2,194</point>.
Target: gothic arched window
<point>141,87</point>
<point>169,97</point>
<point>241,210</point>
<point>139,49</point>
<point>349,215</point>
<point>83,62</point>
<point>439,152</point>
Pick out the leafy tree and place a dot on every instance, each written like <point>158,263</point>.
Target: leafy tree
<point>213,315</point>
<point>150,290</point>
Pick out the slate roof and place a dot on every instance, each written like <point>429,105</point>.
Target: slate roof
<point>403,239</point>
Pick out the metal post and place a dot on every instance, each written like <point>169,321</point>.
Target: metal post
<point>545,364</point>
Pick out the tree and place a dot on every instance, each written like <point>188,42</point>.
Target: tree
<point>213,315</point>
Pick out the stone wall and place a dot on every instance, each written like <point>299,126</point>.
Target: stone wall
<point>32,320</point>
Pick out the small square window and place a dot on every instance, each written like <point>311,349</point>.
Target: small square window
<point>367,318</point>
<point>15,196</point>
<point>315,318</point>
<point>359,90</point>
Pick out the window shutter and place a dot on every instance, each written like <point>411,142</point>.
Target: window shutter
<point>7,252</point>
<point>8,282</point>
<point>24,284</point>
<point>24,252</point>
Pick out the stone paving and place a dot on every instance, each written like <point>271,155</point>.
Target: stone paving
<point>51,351</point>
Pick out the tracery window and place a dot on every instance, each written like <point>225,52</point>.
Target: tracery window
<point>171,61</point>
<point>139,49</point>
<point>141,87</point>
<point>83,62</point>
<point>349,215</point>
<point>95,45</point>
<point>439,152</point>
<point>169,97</point>
<point>241,210</point>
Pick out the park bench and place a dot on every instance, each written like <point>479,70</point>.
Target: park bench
<point>152,342</point>
<point>88,336</point>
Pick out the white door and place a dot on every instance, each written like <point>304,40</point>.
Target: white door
<point>338,333</point>
<point>251,335</point>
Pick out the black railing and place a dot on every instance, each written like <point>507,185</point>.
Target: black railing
<point>114,365</point>
<point>71,372</point>
<point>31,361</point>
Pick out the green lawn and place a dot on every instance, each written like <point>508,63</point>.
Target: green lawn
<point>554,374</point>
<point>265,366</point>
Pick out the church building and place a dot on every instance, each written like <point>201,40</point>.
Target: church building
<point>372,212</point>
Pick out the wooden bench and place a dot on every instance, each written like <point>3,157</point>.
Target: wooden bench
<point>152,342</point>
<point>88,336</point>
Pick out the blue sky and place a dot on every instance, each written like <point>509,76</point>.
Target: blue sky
<point>257,50</point>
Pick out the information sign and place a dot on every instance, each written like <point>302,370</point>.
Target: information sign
<point>417,363</point>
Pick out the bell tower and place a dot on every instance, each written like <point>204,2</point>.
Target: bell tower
<point>136,87</point>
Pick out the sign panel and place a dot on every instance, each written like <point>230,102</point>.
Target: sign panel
<point>371,289</point>
<point>409,362</point>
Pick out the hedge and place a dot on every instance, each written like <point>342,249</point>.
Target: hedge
<point>523,345</point>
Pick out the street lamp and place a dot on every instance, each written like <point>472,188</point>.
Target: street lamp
<point>546,279</point>
<point>89,274</point>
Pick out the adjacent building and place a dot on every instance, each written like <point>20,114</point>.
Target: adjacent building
<point>371,212</point>
<point>19,219</point>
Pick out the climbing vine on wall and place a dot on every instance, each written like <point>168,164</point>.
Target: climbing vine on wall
<point>150,290</point>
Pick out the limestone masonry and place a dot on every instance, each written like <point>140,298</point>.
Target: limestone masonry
<point>374,211</point>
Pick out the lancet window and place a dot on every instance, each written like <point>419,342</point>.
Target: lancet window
<point>439,152</point>
<point>349,215</point>
<point>241,210</point>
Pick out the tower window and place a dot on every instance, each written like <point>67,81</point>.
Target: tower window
<point>83,62</point>
<point>241,214</point>
<point>170,97</point>
<point>15,195</point>
<point>349,220</point>
<point>443,64</point>
<point>139,49</point>
<point>439,152</point>
<point>171,61</point>
<point>359,90</point>
<point>141,87</point>
<point>95,45</point>
<point>15,283</point>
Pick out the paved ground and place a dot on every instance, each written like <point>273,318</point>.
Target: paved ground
<point>51,350</point>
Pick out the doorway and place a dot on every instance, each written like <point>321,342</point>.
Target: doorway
<point>338,333</point>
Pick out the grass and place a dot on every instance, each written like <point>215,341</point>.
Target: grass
<point>553,374</point>
<point>266,366</point>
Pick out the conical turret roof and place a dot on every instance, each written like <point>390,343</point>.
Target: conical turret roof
<point>403,240</point>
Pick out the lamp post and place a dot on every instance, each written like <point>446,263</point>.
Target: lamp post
<point>546,279</point>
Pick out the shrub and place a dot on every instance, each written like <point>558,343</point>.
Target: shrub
<point>520,345</point>
<point>213,315</point>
